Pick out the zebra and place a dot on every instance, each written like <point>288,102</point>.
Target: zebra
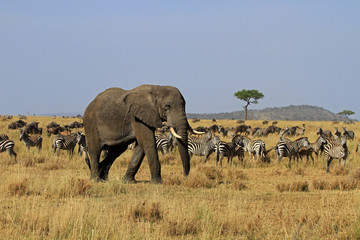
<point>288,148</point>
<point>348,134</point>
<point>81,141</point>
<point>253,147</point>
<point>8,145</point>
<point>31,141</point>
<point>335,148</point>
<point>300,131</point>
<point>229,150</point>
<point>65,143</point>
<point>256,147</point>
<point>202,146</point>
<point>325,133</point>
<point>315,147</point>
<point>163,143</point>
<point>337,133</point>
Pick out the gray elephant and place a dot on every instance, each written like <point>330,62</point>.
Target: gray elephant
<point>118,117</point>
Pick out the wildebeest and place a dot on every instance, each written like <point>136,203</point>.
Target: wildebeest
<point>75,125</point>
<point>17,124</point>
<point>33,128</point>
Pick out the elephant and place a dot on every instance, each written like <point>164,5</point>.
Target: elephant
<point>118,117</point>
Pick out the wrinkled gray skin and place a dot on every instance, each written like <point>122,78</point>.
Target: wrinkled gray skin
<point>117,117</point>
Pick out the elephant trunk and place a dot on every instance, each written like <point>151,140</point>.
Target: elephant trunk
<point>183,150</point>
<point>181,127</point>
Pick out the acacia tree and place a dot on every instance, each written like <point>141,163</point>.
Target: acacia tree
<point>346,113</point>
<point>250,97</point>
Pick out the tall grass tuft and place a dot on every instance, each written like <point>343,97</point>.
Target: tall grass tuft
<point>146,211</point>
<point>293,187</point>
<point>20,188</point>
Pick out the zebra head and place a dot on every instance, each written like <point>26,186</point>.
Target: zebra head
<point>22,134</point>
<point>80,138</point>
<point>304,142</point>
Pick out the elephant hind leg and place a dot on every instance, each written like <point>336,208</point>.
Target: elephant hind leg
<point>106,164</point>
<point>94,156</point>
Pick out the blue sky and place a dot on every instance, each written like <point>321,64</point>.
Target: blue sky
<point>56,56</point>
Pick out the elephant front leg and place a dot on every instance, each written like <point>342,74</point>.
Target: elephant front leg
<point>134,165</point>
<point>146,140</point>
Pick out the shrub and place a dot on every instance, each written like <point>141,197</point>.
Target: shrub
<point>199,180</point>
<point>293,187</point>
<point>183,228</point>
<point>19,188</point>
<point>321,185</point>
<point>76,187</point>
<point>341,170</point>
<point>212,173</point>
<point>238,185</point>
<point>145,211</point>
<point>237,174</point>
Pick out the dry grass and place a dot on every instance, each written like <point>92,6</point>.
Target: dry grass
<point>48,197</point>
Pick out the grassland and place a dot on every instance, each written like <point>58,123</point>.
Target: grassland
<point>48,197</point>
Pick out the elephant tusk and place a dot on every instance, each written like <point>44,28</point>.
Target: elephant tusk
<point>174,133</point>
<point>197,132</point>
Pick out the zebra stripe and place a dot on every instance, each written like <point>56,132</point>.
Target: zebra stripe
<point>335,148</point>
<point>228,150</point>
<point>81,141</point>
<point>65,143</point>
<point>256,147</point>
<point>8,145</point>
<point>31,141</point>
<point>163,143</point>
<point>202,146</point>
<point>287,148</point>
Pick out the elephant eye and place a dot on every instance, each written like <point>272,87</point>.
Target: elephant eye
<point>167,106</point>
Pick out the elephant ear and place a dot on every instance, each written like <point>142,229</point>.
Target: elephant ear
<point>142,105</point>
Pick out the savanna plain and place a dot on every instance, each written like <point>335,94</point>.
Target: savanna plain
<point>44,196</point>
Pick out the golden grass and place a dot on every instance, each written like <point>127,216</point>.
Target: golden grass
<point>48,197</point>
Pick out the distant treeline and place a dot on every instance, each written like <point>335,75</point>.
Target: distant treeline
<point>291,113</point>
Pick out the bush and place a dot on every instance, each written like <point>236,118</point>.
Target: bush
<point>293,187</point>
<point>19,188</point>
<point>145,211</point>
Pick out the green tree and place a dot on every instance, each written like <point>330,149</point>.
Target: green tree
<point>346,113</point>
<point>250,97</point>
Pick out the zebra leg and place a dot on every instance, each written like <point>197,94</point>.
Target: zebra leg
<point>221,160</point>
<point>307,159</point>
<point>312,158</point>
<point>56,151</point>
<point>207,155</point>
<point>134,165</point>
<point>328,162</point>
<point>11,153</point>
<point>71,153</point>
<point>290,156</point>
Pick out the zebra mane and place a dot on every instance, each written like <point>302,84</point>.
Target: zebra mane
<point>301,139</point>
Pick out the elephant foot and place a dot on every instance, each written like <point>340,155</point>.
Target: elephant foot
<point>129,179</point>
<point>157,180</point>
